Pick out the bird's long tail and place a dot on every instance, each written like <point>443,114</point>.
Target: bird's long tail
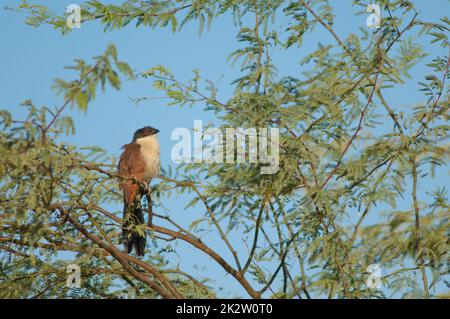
<point>133,216</point>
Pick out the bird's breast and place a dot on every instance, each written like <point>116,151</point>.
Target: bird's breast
<point>151,166</point>
<point>150,153</point>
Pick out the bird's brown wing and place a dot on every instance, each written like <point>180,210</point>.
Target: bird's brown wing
<point>131,164</point>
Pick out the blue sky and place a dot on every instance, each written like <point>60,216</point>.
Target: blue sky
<point>31,58</point>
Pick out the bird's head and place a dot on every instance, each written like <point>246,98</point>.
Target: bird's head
<point>144,132</point>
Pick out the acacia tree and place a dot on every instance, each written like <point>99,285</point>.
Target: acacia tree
<point>344,152</point>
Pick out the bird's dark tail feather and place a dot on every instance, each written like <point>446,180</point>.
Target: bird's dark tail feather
<point>133,216</point>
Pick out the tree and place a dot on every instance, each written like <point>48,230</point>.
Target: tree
<point>339,161</point>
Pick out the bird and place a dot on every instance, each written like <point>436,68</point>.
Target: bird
<point>140,160</point>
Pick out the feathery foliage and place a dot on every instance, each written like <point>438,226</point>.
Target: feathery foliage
<point>345,153</point>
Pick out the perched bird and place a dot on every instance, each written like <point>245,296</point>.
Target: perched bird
<point>140,159</point>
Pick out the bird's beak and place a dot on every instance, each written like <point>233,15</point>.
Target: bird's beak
<point>156,131</point>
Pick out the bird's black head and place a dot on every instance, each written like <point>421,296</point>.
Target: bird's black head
<point>143,132</point>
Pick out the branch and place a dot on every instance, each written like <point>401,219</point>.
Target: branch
<point>255,238</point>
<point>369,205</point>
<point>267,286</point>
<point>417,228</point>
<point>216,223</point>
<point>124,260</point>
<point>197,243</point>
<point>146,13</point>
<point>355,134</point>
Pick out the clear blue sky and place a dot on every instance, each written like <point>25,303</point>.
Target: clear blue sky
<point>31,58</point>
